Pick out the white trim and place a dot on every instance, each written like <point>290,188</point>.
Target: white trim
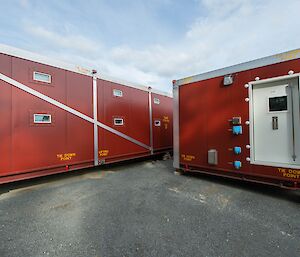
<point>275,164</point>
<point>23,54</point>
<point>126,83</point>
<point>67,108</point>
<point>95,113</point>
<point>42,122</point>
<point>251,119</point>
<point>27,55</point>
<point>158,92</point>
<point>41,73</point>
<point>150,119</point>
<point>273,59</point>
<point>274,79</point>
<point>176,160</point>
<point>122,135</point>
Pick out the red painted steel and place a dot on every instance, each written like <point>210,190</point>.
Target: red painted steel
<point>133,108</point>
<point>205,108</point>
<point>163,134</point>
<point>67,144</point>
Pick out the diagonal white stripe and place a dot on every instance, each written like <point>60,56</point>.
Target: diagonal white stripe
<point>68,109</point>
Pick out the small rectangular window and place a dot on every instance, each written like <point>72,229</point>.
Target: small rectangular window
<point>278,104</point>
<point>42,118</point>
<point>118,93</point>
<point>118,121</point>
<point>156,101</point>
<point>157,123</point>
<point>42,77</point>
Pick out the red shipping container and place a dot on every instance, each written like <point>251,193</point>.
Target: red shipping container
<point>241,121</point>
<point>58,117</point>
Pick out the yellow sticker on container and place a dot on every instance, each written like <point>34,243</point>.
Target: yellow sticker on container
<point>65,156</point>
<point>103,153</point>
<point>289,173</point>
<point>187,157</point>
<point>166,119</point>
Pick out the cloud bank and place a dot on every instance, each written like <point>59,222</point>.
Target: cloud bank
<point>154,42</point>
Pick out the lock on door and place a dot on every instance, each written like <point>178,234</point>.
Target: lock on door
<point>275,123</point>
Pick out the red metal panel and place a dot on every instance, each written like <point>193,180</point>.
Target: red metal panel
<point>133,108</point>
<point>113,148</point>
<point>205,110</point>
<point>79,93</point>
<point>31,150</point>
<point>65,143</point>
<point>163,112</point>
<point>5,114</point>
<point>22,71</point>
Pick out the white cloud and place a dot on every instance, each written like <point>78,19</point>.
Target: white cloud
<point>70,41</point>
<point>232,31</point>
<point>24,3</point>
<point>229,32</point>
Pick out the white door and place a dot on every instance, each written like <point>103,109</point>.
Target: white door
<point>276,124</point>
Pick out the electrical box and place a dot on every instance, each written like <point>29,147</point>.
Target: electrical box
<point>236,121</point>
<point>213,157</point>
<point>237,150</point>
<point>228,80</point>
<point>237,165</point>
<point>237,130</point>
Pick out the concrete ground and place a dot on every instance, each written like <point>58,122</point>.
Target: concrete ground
<point>144,209</point>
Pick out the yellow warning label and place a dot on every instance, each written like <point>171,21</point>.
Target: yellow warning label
<point>166,119</point>
<point>65,156</point>
<point>103,153</point>
<point>289,173</point>
<point>188,158</point>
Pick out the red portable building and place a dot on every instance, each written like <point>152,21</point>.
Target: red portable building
<point>58,117</point>
<point>241,121</point>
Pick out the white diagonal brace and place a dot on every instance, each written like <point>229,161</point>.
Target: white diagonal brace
<point>95,113</point>
<point>68,109</point>
<point>101,125</point>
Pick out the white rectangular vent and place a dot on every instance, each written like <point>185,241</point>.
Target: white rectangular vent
<point>118,93</point>
<point>42,77</point>
<point>42,118</point>
<point>118,121</point>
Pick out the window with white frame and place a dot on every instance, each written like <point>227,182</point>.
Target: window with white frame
<point>42,118</point>
<point>118,93</point>
<point>41,77</point>
<point>156,101</point>
<point>118,121</point>
<point>157,123</point>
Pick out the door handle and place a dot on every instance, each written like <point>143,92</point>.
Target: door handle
<point>275,123</point>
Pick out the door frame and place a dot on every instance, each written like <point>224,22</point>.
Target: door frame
<point>250,86</point>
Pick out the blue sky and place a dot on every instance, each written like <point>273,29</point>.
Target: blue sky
<point>151,41</point>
